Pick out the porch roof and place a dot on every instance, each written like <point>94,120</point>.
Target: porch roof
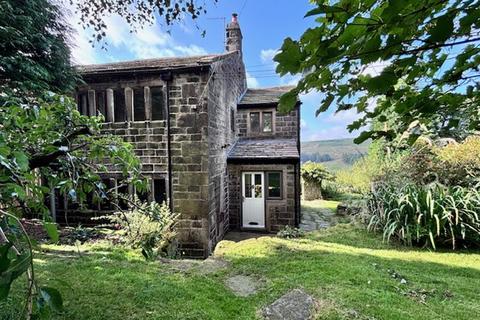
<point>263,95</point>
<point>264,149</point>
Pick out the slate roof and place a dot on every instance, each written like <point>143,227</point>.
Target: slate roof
<point>153,64</point>
<point>264,149</point>
<point>264,95</point>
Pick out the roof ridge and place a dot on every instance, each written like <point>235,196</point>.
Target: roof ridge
<point>153,63</point>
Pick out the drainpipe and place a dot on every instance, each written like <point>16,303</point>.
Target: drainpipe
<point>167,77</point>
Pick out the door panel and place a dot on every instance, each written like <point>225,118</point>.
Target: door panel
<point>253,195</point>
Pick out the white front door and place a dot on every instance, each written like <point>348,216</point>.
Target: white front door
<point>253,195</point>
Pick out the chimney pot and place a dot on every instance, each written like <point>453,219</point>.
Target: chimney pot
<point>234,35</point>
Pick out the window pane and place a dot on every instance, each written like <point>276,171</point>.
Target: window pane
<point>157,103</point>
<point>258,186</point>
<point>255,121</point>
<point>159,190</point>
<point>267,122</point>
<point>119,105</point>
<point>83,104</point>
<point>232,120</point>
<point>101,103</point>
<point>248,185</point>
<point>138,105</point>
<point>274,185</point>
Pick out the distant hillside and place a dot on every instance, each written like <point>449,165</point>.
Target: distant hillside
<point>334,154</point>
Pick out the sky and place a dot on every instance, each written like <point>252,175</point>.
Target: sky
<point>264,23</point>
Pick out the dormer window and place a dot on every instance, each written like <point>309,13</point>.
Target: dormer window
<point>261,122</point>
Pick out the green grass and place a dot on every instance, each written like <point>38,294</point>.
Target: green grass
<point>318,205</point>
<point>347,270</point>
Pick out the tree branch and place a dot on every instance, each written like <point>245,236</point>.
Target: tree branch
<point>44,160</point>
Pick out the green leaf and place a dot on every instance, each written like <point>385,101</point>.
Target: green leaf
<point>52,231</point>
<point>288,101</point>
<point>289,57</point>
<point>323,9</point>
<point>325,105</point>
<point>52,298</point>
<point>363,136</point>
<point>443,29</point>
<point>4,260</point>
<point>382,83</point>
<point>21,160</point>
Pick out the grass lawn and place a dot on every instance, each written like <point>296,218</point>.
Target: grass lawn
<point>351,273</point>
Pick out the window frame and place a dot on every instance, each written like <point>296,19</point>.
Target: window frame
<point>139,92</point>
<point>159,89</point>
<point>261,130</point>
<point>263,122</point>
<point>267,184</point>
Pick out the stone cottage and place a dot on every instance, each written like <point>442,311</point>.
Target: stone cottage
<point>222,154</point>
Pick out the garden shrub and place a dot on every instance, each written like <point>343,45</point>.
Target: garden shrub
<point>313,175</point>
<point>377,165</point>
<point>289,232</point>
<point>149,226</point>
<point>456,164</point>
<point>431,215</point>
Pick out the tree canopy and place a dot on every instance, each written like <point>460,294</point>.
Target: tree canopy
<point>409,67</point>
<point>34,52</point>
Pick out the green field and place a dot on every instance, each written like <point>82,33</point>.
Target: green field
<point>334,154</point>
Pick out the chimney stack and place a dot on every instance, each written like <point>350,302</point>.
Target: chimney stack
<point>234,35</point>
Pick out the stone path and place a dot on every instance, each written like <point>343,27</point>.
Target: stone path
<point>242,286</point>
<point>203,267</point>
<point>316,219</point>
<point>294,305</point>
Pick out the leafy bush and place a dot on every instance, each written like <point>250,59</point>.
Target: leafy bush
<point>149,226</point>
<point>454,164</point>
<point>432,214</point>
<point>289,232</point>
<point>377,165</point>
<point>313,175</point>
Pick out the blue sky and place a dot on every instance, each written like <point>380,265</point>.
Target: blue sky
<point>265,24</point>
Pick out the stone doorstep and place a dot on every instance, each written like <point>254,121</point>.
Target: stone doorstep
<point>294,305</point>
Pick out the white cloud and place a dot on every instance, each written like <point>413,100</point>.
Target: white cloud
<point>148,42</point>
<point>82,50</point>
<point>252,82</point>
<point>303,124</point>
<point>267,55</point>
<point>374,69</point>
<point>343,117</point>
<point>336,132</point>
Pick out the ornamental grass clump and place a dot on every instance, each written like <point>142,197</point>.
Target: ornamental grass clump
<point>432,215</point>
<point>148,226</point>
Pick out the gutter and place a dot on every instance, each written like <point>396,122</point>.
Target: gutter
<point>167,77</point>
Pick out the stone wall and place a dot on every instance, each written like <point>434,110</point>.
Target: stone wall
<point>189,151</point>
<point>227,85</point>
<point>284,125</point>
<point>278,212</point>
<point>189,145</point>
